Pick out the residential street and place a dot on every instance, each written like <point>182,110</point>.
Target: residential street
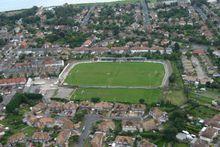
<point>146,18</point>
<point>89,120</point>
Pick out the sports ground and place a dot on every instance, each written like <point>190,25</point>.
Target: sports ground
<point>117,81</point>
<point>116,74</point>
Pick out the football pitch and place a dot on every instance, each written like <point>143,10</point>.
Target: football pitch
<point>138,80</point>
<point>119,95</point>
<point>131,74</point>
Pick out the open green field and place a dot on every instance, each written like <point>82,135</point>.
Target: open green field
<point>116,74</point>
<point>119,95</point>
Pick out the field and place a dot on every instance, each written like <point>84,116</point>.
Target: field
<point>119,95</point>
<point>117,74</point>
<point>127,76</point>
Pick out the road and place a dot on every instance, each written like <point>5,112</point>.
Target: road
<point>90,119</point>
<point>145,11</point>
<point>201,13</point>
<point>87,17</point>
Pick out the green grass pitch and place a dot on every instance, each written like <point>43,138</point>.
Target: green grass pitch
<point>119,95</point>
<point>116,74</point>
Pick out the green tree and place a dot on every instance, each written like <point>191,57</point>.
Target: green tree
<point>95,100</point>
<point>142,101</point>
<point>178,119</point>
<point>1,98</point>
<point>172,78</point>
<point>169,133</point>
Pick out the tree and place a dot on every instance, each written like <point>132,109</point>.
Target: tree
<point>2,42</point>
<point>79,116</point>
<point>74,139</point>
<point>19,98</point>
<point>172,78</point>
<point>95,100</point>
<point>176,47</point>
<point>142,101</point>
<point>187,91</point>
<point>178,119</point>
<point>1,98</point>
<point>169,133</point>
<point>188,55</point>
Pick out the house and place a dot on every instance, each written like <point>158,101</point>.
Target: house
<point>159,115</point>
<point>13,82</point>
<point>86,104</point>
<point>62,138</point>
<point>31,119</point>
<point>87,43</point>
<point>139,109</point>
<point>106,125</point>
<point>70,108</point>
<point>16,138</point>
<point>120,110</point>
<point>181,136</point>
<point>121,107</point>
<point>217,53</point>
<point>150,124</point>
<point>199,143</point>
<point>45,122</point>
<point>37,109</point>
<point>55,106</point>
<point>165,42</point>
<point>103,106</point>
<point>182,22</point>
<point>130,126</point>
<point>66,123</point>
<point>208,134</point>
<point>146,143</point>
<point>199,52</point>
<point>155,48</point>
<point>123,141</point>
<point>2,131</point>
<point>41,137</point>
<point>97,140</point>
<point>214,122</point>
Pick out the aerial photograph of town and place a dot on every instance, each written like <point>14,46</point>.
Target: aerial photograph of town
<point>109,73</point>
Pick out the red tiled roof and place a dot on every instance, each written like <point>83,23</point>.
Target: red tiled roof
<point>199,51</point>
<point>12,81</point>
